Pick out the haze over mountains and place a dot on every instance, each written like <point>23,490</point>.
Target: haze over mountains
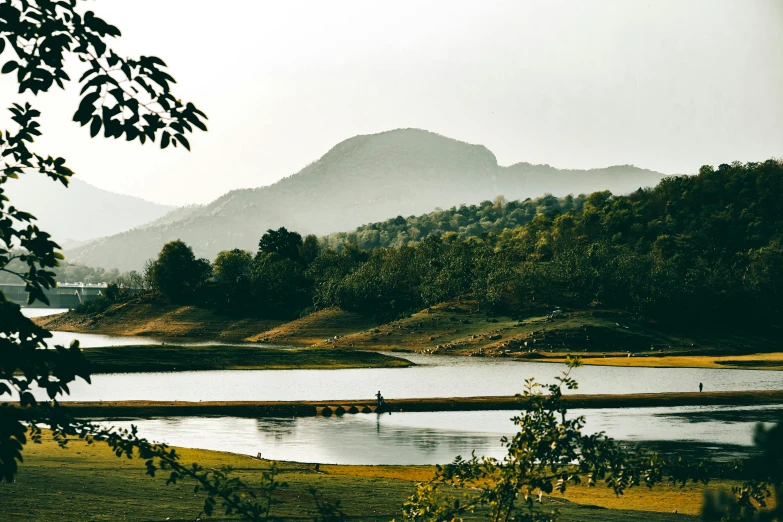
<point>81,211</point>
<point>362,179</point>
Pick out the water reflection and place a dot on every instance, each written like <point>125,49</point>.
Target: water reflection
<point>728,416</point>
<point>85,340</point>
<point>430,438</point>
<point>42,312</point>
<point>97,340</point>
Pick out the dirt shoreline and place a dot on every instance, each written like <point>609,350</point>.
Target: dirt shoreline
<point>313,408</point>
<point>600,337</point>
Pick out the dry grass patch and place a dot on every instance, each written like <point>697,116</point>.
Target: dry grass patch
<point>159,320</point>
<point>452,327</point>
<point>756,361</point>
<point>86,482</point>
<point>315,328</point>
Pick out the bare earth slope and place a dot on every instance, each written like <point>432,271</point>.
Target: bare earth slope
<point>604,337</point>
<point>159,320</point>
<point>316,328</point>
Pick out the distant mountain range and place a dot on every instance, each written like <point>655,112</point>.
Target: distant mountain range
<point>80,212</point>
<point>361,180</point>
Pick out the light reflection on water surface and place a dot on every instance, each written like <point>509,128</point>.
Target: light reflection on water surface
<point>436,438</point>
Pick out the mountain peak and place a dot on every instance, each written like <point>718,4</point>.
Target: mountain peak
<point>363,179</point>
<point>412,141</point>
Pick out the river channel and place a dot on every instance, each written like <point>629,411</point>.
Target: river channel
<point>424,438</point>
<point>437,437</point>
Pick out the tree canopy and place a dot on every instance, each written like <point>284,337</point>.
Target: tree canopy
<point>177,273</point>
<point>685,251</point>
<point>281,242</point>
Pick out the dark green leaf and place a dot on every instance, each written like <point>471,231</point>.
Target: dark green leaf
<point>95,126</point>
<point>183,141</point>
<point>9,67</point>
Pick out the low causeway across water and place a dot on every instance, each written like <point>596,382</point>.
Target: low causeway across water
<point>257,409</point>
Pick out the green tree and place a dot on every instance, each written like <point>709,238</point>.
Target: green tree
<point>309,250</point>
<point>40,35</point>
<point>234,270</point>
<point>385,286</point>
<point>280,285</point>
<point>177,274</point>
<point>281,242</point>
<point>327,272</point>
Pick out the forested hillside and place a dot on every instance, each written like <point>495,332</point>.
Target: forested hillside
<point>361,180</point>
<point>694,249</point>
<point>463,221</point>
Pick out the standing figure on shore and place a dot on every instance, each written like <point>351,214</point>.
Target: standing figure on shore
<point>701,387</point>
<point>379,397</point>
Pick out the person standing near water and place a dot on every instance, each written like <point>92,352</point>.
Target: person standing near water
<point>701,387</point>
<point>380,399</point>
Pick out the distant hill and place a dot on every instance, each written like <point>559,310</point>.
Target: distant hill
<point>80,212</point>
<point>361,180</point>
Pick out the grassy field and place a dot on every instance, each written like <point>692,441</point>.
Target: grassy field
<point>85,482</point>
<point>169,358</point>
<point>155,319</point>
<point>452,327</point>
<point>756,361</point>
<point>316,328</point>
<point>458,327</point>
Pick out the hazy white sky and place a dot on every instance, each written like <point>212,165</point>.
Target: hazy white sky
<point>666,85</point>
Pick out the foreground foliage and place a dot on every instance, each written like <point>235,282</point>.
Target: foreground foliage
<point>550,453</point>
<point>128,98</point>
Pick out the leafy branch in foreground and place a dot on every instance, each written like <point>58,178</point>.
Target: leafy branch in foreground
<point>128,97</point>
<point>222,490</point>
<point>549,453</point>
<point>326,511</point>
<point>749,501</point>
<point>20,238</point>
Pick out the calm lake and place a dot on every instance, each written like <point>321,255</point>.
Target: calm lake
<point>424,438</point>
<point>434,376</point>
<point>436,438</point>
<point>42,312</point>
